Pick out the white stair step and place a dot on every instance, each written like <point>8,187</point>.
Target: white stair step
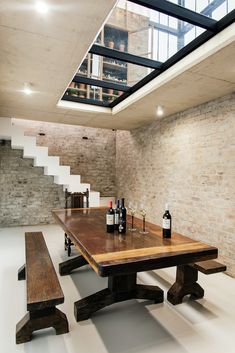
<point>52,166</point>
<point>31,142</point>
<point>5,128</point>
<point>21,141</point>
<point>34,152</point>
<point>17,130</point>
<point>64,177</point>
<point>77,187</point>
<point>40,161</point>
<point>70,181</point>
<point>94,199</point>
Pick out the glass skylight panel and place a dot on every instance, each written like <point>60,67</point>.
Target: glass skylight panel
<point>137,40</point>
<point>127,30</point>
<point>112,70</point>
<point>215,9</point>
<point>82,92</point>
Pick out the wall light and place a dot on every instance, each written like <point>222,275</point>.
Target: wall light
<point>159,110</point>
<point>41,7</point>
<point>27,88</point>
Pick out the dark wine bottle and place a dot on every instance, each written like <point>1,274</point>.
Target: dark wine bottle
<point>110,218</point>
<point>166,223</point>
<point>116,216</point>
<point>122,218</point>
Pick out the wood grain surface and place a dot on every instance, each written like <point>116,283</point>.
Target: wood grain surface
<point>43,289</point>
<point>111,254</point>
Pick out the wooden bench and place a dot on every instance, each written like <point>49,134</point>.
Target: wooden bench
<point>209,267</point>
<point>43,291</point>
<point>186,280</point>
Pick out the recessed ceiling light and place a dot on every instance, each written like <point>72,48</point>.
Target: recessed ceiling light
<point>42,7</point>
<point>27,89</point>
<point>159,110</point>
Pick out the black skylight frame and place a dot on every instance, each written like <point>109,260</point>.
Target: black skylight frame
<point>212,27</point>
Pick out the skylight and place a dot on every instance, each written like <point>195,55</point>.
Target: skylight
<point>142,39</point>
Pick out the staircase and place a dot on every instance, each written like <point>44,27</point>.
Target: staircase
<point>51,164</point>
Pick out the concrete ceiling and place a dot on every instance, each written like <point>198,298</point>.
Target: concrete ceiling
<point>46,50</point>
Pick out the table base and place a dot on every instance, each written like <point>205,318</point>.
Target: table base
<point>120,288</point>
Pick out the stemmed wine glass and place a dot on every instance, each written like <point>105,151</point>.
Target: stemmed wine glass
<point>143,214</point>
<point>132,209</point>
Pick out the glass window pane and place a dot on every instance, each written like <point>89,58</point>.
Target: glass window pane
<point>231,5</point>
<point>127,29</point>
<point>172,45</point>
<point>209,8</point>
<point>189,36</point>
<point>112,70</point>
<point>80,91</point>
<point>163,47</point>
<point>219,12</point>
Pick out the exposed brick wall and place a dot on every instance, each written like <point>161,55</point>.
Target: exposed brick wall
<point>187,160</point>
<point>26,195</point>
<point>92,158</point>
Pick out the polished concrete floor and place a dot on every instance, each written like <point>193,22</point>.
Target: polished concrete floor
<point>205,326</point>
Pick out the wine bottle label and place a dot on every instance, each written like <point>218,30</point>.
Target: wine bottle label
<point>116,218</point>
<point>109,219</point>
<point>166,223</point>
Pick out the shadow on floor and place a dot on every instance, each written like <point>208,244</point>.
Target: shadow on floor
<point>127,326</point>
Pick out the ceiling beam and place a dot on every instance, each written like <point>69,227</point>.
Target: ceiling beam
<point>129,58</point>
<point>100,83</point>
<point>179,12</point>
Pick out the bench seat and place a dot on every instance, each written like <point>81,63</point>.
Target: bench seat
<point>209,267</point>
<point>43,290</point>
<point>186,280</point>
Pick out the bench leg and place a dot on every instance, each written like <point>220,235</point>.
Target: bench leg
<point>186,283</point>
<point>21,273</point>
<point>67,266</point>
<point>40,319</point>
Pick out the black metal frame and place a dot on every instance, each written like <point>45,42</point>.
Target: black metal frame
<point>213,27</point>
<point>179,12</point>
<point>100,83</point>
<point>129,58</point>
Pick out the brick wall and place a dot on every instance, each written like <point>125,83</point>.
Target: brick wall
<point>92,158</point>
<point>26,195</point>
<point>187,160</point>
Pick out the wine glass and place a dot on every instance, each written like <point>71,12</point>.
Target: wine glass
<point>132,210</point>
<point>143,214</point>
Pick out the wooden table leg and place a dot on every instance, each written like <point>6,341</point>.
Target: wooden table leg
<point>67,266</point>
<point>120,288</point>
<point>186,283</point>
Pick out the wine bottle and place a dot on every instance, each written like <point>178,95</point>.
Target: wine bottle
<point>110,218</point>
<point>122,218</point>
<point>166,223</point>
<point>116,216</point>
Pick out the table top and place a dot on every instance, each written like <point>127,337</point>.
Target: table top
<point>113,253</point>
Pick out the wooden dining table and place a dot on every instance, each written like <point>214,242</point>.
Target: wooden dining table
<point>121,256</point>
